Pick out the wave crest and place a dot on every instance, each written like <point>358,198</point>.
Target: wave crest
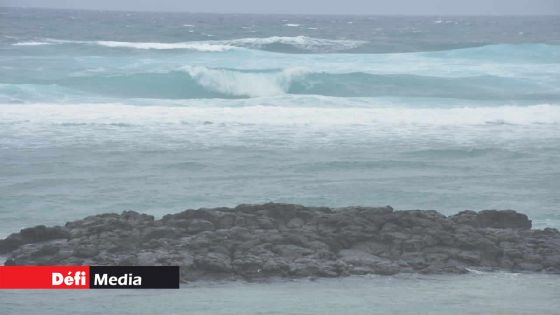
<point>31,43</point>
<point>239,83</point>
<point>298,42</point>
<point>196,46</point>
<point>198,81</point>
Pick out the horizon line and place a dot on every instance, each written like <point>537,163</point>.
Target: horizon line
<point>294,14</point>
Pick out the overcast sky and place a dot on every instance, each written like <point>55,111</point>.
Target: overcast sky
<point>420,7</point>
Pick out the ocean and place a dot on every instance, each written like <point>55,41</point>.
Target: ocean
<point>106,111</point>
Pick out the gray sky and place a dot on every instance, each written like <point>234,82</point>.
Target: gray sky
<point>420,7</point>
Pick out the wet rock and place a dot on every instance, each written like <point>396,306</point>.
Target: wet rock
<point>284,240</point>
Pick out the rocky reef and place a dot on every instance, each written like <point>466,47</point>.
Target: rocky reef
<point>289,241</point>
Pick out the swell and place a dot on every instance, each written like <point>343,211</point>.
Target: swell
<point>203,82</point>
<point>512,73</point>
<point>274,43</point>
<point>535,52</point>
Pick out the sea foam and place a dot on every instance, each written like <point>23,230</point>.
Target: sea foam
<point>239,83</point>
<point>298,42</point>
<point>115,113</point>
<point>31,43</point>
<point>197,46</point>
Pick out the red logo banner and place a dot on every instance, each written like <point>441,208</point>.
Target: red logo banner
<point>44,277</point>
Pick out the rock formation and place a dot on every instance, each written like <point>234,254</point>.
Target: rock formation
<point>284,240</point>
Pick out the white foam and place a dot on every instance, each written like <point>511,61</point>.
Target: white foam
<point>476,272</point>
<point>291,25</point>
<point>31,43</point>
<point>301,42</point>
<point>116,113</point>
<point>197,46</point>
<point>238,83</point>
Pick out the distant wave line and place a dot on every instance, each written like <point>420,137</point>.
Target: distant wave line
<point>299,42</point>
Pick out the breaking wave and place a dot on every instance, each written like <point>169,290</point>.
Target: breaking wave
<point>31,43</point>
<point>302,43</point>
<point>527,75</point>
<point>204,82</point>
<point>201,46</point>
<point>243,83</point>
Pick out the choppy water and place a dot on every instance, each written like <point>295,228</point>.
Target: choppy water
<point>108,111</point>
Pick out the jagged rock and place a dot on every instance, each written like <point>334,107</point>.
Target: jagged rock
<point>284,240</point>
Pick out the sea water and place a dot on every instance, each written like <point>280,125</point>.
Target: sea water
<point>159,112</point>
<point>495,293</point>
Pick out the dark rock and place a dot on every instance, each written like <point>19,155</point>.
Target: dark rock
<point>159,232</point>
<point>503,219</point>
<point>86,251</point>
<point>214,262</point>
<point>10,243</point>
<point>284,240</point>
<point>199,225</point>
<point>500,219</point>
<point>35,234</point>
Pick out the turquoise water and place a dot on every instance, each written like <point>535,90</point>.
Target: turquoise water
<point>110,111</point>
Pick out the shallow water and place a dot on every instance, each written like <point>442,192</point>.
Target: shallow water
<point>497,293</point>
